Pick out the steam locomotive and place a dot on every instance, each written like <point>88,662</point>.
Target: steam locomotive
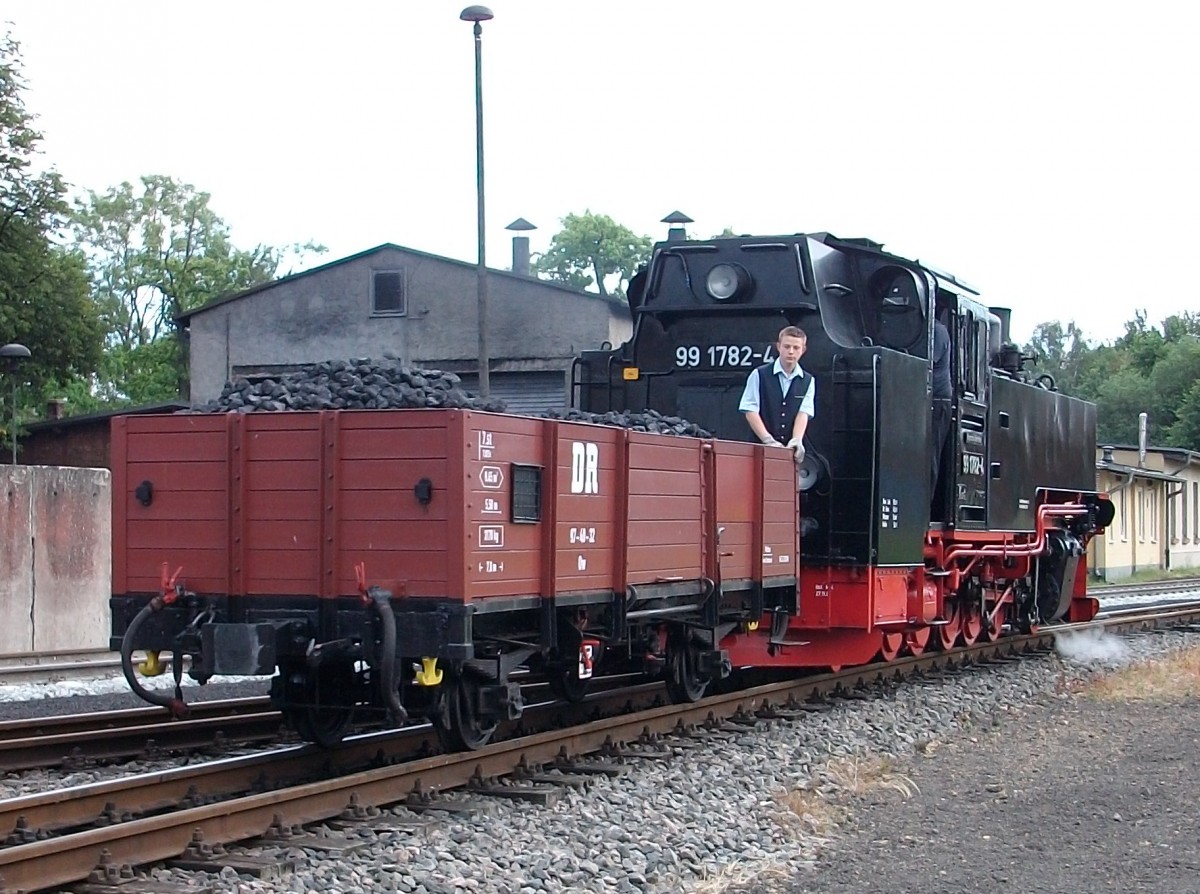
<point>890,560</point>
<point>383,564</point>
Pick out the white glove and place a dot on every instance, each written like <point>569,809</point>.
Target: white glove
<point>771,442</point>
<point>797,447</point>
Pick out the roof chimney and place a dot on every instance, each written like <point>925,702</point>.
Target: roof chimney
<point>1106,454</point>
<point>1143,425</point>
<point>677,219</point>
<point>54,408</point>
<point>520,264</point>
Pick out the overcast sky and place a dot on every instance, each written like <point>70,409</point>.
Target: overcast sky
<point>1044,152</point>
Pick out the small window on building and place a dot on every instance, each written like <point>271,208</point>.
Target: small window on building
<point>387,292</point>
<point>526,493</point>
<point>1124,516</point>
<point>1154,515</point>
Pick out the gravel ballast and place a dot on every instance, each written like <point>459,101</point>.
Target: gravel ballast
<point>974,744</point>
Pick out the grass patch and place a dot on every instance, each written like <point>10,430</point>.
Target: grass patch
<point>1145,576</point>
<point>1173,678</point>
<point>741,875</point>
<point>820,806</point>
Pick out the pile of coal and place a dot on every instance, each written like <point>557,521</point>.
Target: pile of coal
<point>390,385</point>
<point>647,420</point>
<point>349,385</point>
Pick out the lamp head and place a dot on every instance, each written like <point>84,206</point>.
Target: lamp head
<point>476,14</point>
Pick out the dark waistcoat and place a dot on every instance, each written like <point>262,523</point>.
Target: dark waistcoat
<point>778,410</point>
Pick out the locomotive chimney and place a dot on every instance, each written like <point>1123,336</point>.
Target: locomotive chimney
<point>677,219</point>
<point>1005,315</point>
<point>520,264</point>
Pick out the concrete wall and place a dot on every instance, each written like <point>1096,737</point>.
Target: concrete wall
<point>326,314</point>
<point>55,559</point>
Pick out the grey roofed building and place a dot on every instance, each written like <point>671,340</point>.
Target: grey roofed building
<point>420,307</point>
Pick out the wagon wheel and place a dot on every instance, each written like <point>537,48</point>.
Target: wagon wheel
<point>313,716</point>
<point>684,682</point>
<point>325,726</point>
<point>565,683</point>
<point>460,724</point>
<point>948,632</point>
<point>917,641</point>
<point>972,624</point>
<point>890,647</point>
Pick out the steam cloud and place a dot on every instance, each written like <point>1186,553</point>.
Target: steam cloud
<point>1092,646</point>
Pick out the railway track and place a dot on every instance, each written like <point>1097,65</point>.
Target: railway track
<point>71,741</point>
<point>1181,585</point>
<point>103,830</point>
<point>213,727</point>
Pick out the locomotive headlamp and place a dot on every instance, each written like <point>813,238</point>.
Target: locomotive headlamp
<point>725,282</point>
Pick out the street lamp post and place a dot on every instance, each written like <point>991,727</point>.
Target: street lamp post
<point>14,354</point>
<point>478,14</point>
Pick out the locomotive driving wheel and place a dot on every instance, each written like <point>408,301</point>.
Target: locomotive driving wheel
<point>993,626</point>
<point>458,719</point>
<point>972,623</point>
<point>917,641</point>
<point>948,632</point>
<point>890,646</point>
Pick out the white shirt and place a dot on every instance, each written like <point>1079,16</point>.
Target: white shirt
<point>749,402</point>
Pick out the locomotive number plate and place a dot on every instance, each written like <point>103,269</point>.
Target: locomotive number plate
<point>972,464</point>
<point>722,356</point>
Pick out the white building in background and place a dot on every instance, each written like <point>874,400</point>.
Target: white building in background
<point>1157,501</point>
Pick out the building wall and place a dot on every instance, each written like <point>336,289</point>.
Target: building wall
<point>56,559</point>
<point>85,445</point>
<point>326,314</point>
<point>1139,537</point>
<point>1183,511</point>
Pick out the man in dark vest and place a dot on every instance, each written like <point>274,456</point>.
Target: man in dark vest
<point>779,396</point>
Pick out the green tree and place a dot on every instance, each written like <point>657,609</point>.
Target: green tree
<point>589,250</point>
<point>1121,398</point>
<point>44,301</point>
<point>1144,345</point>
<point>1185,430</point>
<point>1060,351</point>
<point>156,250</point>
